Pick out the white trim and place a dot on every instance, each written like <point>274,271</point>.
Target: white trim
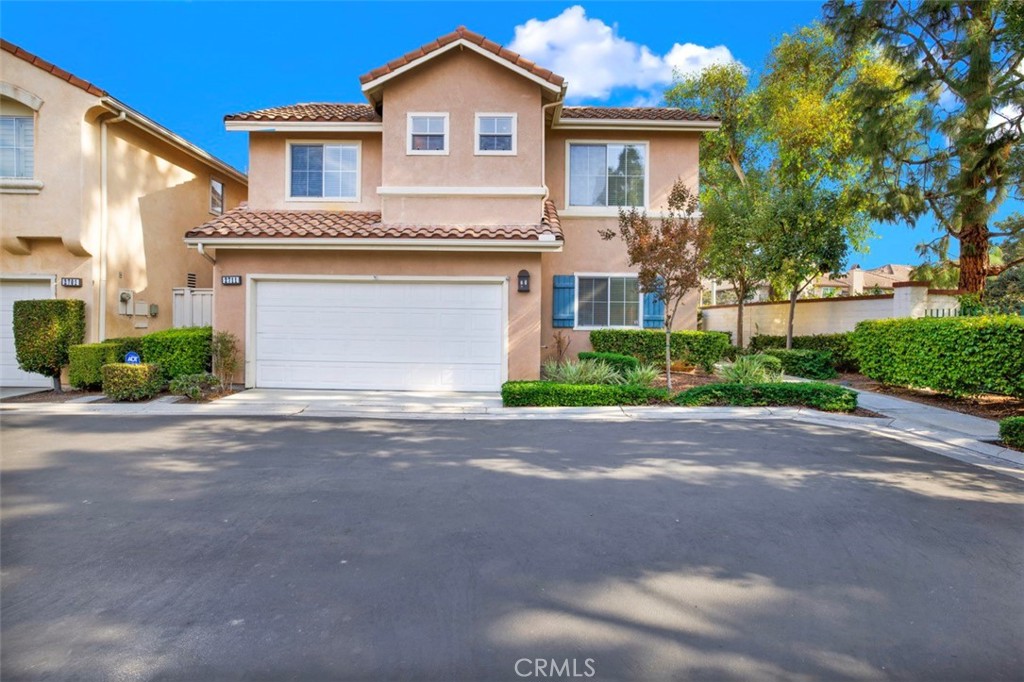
<point>341,200</point>
<point>252,279</point>
<point>605,275</point>
<point>628,124</point>
<point>359,244</point>
<point>32,277</point>
<point>610,212</point>
<point>603,210</point>
<point>462,191</point>
<point>409,116</point>
<point>21,185</point>
<point>476,133</point>
<point>374,84</point>
<point>304,126</point>
<point>21,95</point>
<point>223,195</point>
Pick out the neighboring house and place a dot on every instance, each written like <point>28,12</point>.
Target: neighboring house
<point>439,236</point>
<point>94,201</point>
<point>854,282</point>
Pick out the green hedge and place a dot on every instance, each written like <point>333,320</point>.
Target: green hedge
<point>956,355</point>
<point>85,366</point>
<point>839,345</point>
<point>700,348</point>
<point>179,351</point>
<point>549,394</point>
<point>126,344</point>
<point>809,364</point>
<point>826,397</point>
<point>1011,430</point>
<point>124,382</point>
<point>620,363</point>
<point>44,332</point>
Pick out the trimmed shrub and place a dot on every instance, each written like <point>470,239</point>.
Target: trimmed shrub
<point>700,348</point>
<point>620,363</point>
<point>956,355</point>
<point>85,365</point>
<point>195,386</point>
<point>809,364</point>
<point>839,345</point>
<point>752,369</point>
<point>550,394</point>
<point>179,351</point>
<point>44,332</point>
<point>1011,431</point>
<point>125,345</point>
<point>826,397</point>
<point>123,382</point>
<point>581,372</point>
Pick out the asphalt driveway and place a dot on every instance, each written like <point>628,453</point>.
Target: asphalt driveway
<point>167,548</point>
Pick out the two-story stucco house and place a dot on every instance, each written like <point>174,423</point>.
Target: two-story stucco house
<point>439,236</point>
<point>94,201</point>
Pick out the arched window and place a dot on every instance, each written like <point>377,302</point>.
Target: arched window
<point>18,109</point>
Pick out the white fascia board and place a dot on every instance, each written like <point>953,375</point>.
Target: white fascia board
<point>303,126</point>
<point>334,244</point>
<point>376,83</point>
<point>627,124</point>
<point>462,191</point>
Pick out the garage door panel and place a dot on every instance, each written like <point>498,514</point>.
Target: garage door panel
<point>400,336</point>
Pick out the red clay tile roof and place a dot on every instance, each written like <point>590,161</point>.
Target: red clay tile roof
<point>246,223</point>
<point>311,111</point>
<point>634,114</point>
<point>51,68</point>
<point>461,33</point>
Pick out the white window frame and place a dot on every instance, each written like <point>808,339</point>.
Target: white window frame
<point>408,134</point>
<point>223,196</point>
<point>337,200</point>
<point>31,152</point>
<point>606,210</point>
<point>495,152</point>
<point>606,275</point>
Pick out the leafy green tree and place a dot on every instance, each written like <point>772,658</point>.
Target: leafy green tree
<point>943,128</point>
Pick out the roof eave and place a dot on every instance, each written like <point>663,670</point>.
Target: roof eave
<point>548,245</point>
<point>631,124</point>
<point>304,126</point>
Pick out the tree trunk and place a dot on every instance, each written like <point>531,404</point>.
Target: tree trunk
<point>56,384</point>
<point>974,245</point>
<point>668,356</point>
<point>739,325</point>
<point>792,315</point>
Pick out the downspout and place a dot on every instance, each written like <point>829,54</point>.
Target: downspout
<point>101,325</point>
<point>544,145</point>
<point>202,252</point>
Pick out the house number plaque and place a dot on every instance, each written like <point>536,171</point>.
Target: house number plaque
<point>75,282</point>
<point>231,280</point>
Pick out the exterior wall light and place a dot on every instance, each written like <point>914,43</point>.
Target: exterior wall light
<point>524,281</point>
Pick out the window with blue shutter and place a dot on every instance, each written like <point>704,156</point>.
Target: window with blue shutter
<point>654,311</point>
<point>564,301</point>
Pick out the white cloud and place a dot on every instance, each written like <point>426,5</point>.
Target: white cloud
<point>596,60</point>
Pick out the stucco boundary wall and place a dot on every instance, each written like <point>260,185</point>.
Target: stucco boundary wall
<point>832,315</point>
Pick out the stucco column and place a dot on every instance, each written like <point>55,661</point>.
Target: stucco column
<point>910,299</point>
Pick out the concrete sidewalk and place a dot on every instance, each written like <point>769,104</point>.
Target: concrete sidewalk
<point>941,431</point>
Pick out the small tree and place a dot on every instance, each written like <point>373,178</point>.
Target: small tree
<point>670,253</point>
<point>44,332</point>
<point>224,357</point>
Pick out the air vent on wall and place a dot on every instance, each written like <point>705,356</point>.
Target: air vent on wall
<point>191,280</point>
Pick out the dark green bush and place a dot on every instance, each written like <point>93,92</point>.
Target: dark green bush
<point>549,394</point>
<point>620,363</point>
<point>956,355</point>
<point>85,366</point>
<point>179,351</point>
<point>195,386</point>
<point>698,348</point>
<point>44,332</point>
<point>839,345</point>
<point>826,397</point>
<point>1011,430</point>
<point>809,364</point>
<point>124,382</point>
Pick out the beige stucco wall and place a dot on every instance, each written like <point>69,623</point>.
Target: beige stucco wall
<point>155,194</point>
<point>523,308</point>
<point>268,172</point>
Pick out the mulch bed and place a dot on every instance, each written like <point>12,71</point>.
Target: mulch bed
<point>994,407</point>
<point>688,379</point>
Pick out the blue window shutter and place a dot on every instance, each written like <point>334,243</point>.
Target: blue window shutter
<point>564,301</point>
<point>654,311</point>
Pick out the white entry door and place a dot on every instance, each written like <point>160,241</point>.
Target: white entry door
<point>11,291</point>
<point>388,335</point>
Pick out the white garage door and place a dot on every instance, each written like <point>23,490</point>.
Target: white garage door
<point>11,291</point>
<point>379,335</point>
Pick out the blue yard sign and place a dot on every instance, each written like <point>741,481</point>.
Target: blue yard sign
<point>132,358</point>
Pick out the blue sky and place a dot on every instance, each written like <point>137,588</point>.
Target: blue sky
<point>186,65</point>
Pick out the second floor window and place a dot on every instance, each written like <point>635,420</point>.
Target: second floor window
<point>496,134</point>
<point>216,197</point>
<point>325,171</point>
<point>612,174</point>
<point>17,140</point>
<point>428,134</point>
